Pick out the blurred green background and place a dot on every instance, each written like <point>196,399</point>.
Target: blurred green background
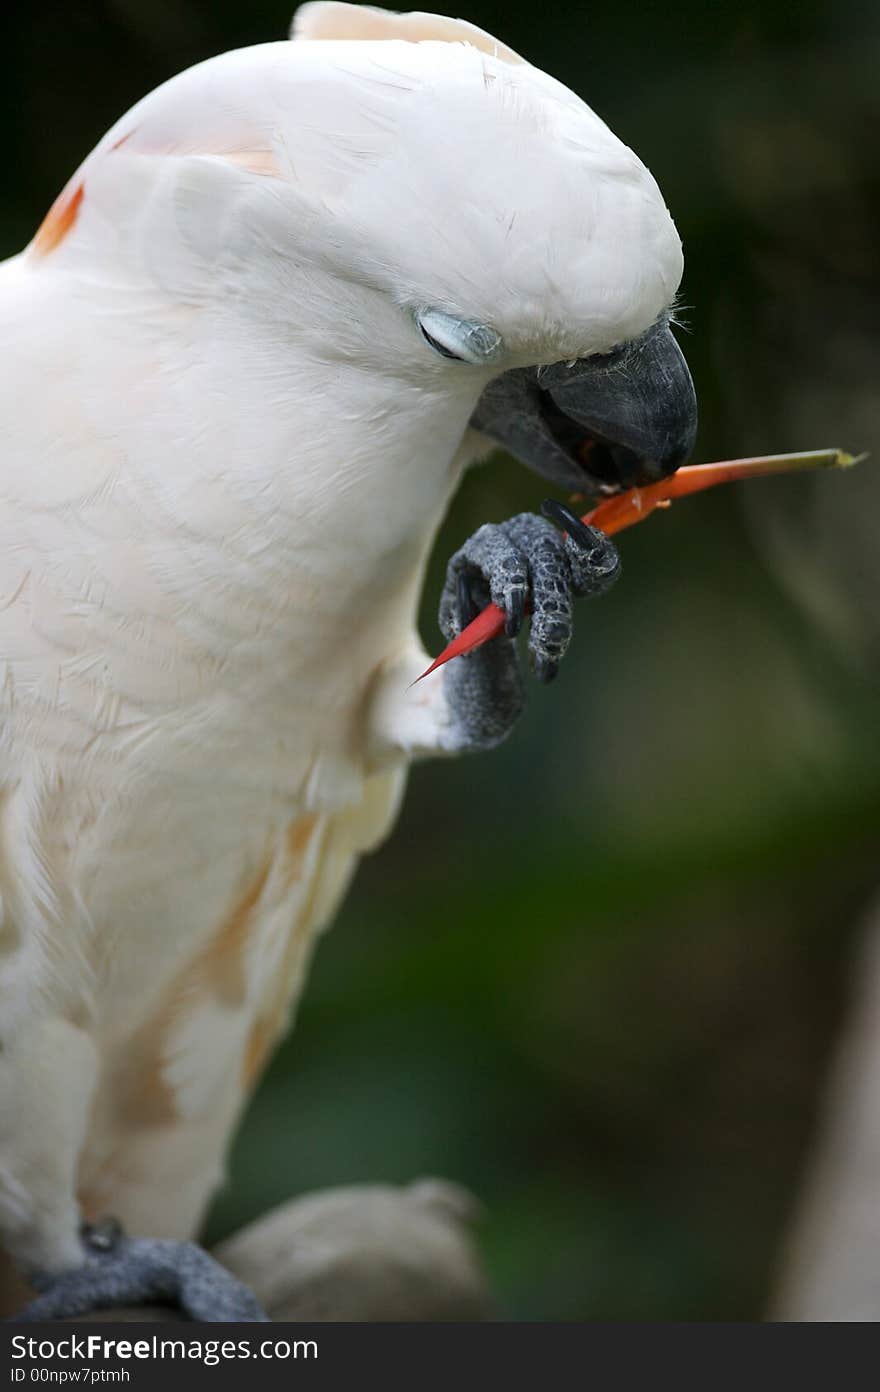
<point>596,976</point>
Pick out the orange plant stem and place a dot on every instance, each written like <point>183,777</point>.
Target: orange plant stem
<point>625,510</point>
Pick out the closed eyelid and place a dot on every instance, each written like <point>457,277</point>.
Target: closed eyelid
<point>466,340</point>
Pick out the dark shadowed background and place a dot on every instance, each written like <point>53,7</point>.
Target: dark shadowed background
<point>596,975</point>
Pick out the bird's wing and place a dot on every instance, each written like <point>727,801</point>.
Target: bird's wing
<point>167,1110</point>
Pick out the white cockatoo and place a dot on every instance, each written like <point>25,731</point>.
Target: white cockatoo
<point>281,306</point>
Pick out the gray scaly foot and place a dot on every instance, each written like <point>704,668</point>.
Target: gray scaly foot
<point>120,1270</point>
<point>522,564</point>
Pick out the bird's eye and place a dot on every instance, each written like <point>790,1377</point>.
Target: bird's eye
<point>463,340</point>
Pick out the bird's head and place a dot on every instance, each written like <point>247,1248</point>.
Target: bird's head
<point>405,195</point>
<point>526,244</point>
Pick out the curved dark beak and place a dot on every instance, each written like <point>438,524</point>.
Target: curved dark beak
<point>599,425</point>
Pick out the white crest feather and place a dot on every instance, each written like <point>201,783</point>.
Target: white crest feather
<point>333,19</point>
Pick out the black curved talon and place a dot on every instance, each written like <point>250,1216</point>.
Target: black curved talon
<point>572,525</point>
<point>467,610</point>
<point>513,621</point>
<point>103,1235</point>
<point>545,669</point>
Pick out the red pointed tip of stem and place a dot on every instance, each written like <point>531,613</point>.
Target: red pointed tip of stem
<point>488,624</point>
<point>438,662</point>
<point>446,656</point>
